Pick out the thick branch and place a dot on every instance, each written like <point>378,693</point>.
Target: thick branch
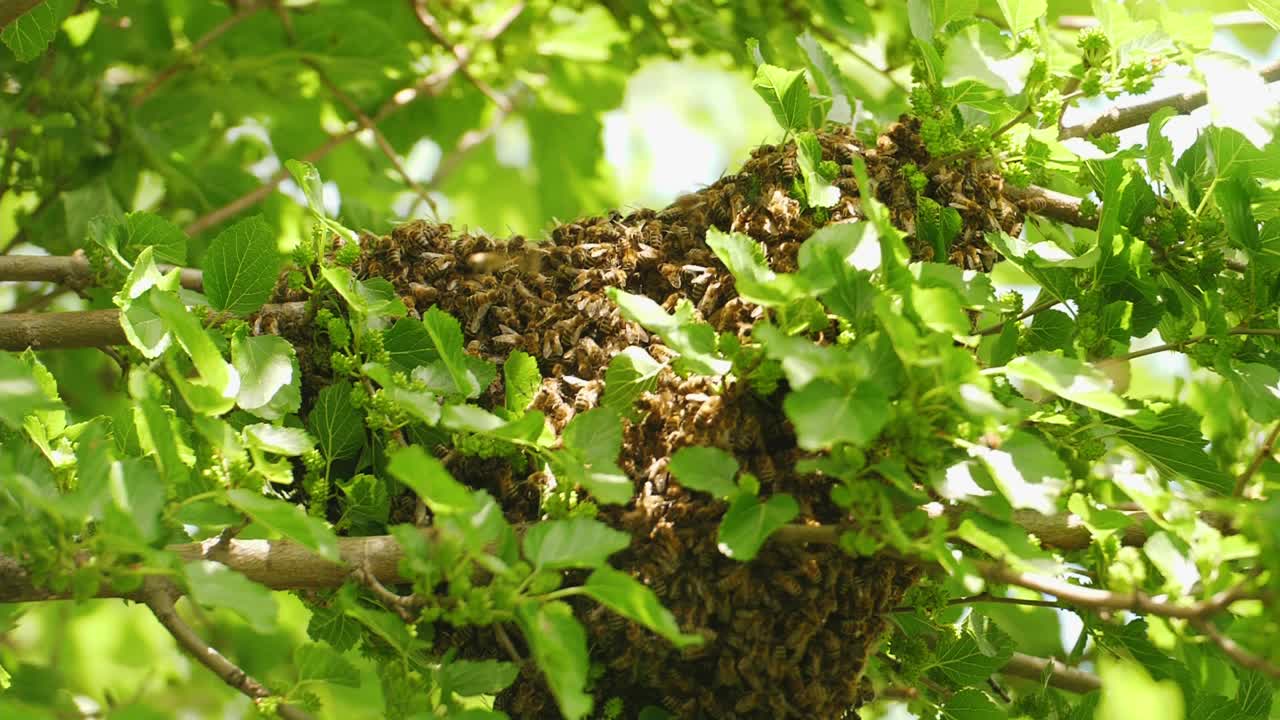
<point>159,597</point>
<point>73,271</point>
<point>1119,118</point>
<point>92,328</point>
<point>1051,204</point>
<point>1062,676</point>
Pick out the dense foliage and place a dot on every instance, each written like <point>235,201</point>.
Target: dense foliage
<point>958,398</point>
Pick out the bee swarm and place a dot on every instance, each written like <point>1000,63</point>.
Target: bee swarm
<point>789,633</point>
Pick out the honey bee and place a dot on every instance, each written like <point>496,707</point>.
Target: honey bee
<point>437,264</point>
<point>588,396</point>
<point>423,295</point>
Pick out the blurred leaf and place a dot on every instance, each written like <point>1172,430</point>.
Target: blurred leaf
<point>1069,379</point>
<point>575,542</point>
<point>520,380</point>
<point>825,414</point>
<point>320,663</point>
<point>633,600</point>
<point>288,520</point>
<point>631,373</point>
<point>592,442</point>
<point>558,644</point>
<point>1022,14</point>
<point>477,677</point>
<point>972,705</point>
<point>427,477</point>
<point>708,469</point>
<point>1028,473</point>
<point>748,523</point>
<point>818,190</point>
<point>268,368</point>
<point>214,585</point>
<point>1129,693</point>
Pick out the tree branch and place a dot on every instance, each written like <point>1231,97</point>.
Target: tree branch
<point>461,54</point>
<point>1264,452</point>
<point>432,84</point>
<point>200,43</point>
<point>1061,675</point>
<point>1095,599</point>
<point>94,328</point>
<point>72,271</point>
<point>1238,653</point>
<point>159,596</point>
<point>1119,118</point>
<point>380,140</point>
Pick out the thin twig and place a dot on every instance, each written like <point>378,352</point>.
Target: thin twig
<point>1264,452</point>
<point>1193,340</point>
<point>1061,676</point>
<point>505,641</point>
<point>244,13</point>
<point>1236,18</point>
<point>460,53</point>
<point>1095,599</point>
<point>432,84</point>
<point>1119,118</point>
<point>1038,307</point>
<point>383,144</point>
<point>404,605</point>
<point>1238,653</point>
<point>989,599</point>
<point>159,596</point>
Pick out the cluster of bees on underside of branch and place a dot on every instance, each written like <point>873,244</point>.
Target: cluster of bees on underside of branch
<point>787,634</point>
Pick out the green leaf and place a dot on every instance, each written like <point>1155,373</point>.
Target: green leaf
<point>981,53</point>
<point>633,600</point>
<point>308,179</point>
<point>937,226</point>
<point>216,373</point>
<point>320,663</point>
<point>1233,201</point>
<point>825,413</point>
<point>1129,693</point>
<point>477,677</point>
<point>520,380</point>
<point>749,522</point>
<point>288,520</point>
<point>631,373</point>
<point>828,78</point>
<point>1239,97</point>
<point>818,190</point>
<point>572,543</point>
<point>1028,473</point>
<point>960,660</point>
<point>1022,14</point>
<point>287,441</point>
<point>755,282</point>
<point>1258,386</point>
<point>1269,10</point>
<point>592,441</point>
<point>786,93</point>
<point>20,392</point>
<point>970,704</point>
<point>214,585</point>
<point>707,469</point>
<point>446,336</point>
<point>29,34</point>
<point>558,644</point>
<point>333,626</point>
<point>585,35</point>
<point>1069,379</point>
<point>268,368</point>
<point>241,266</point>
<point>335,422</point>
<point>1171,441</point>
<point>696,342</point>
<point>427,477</point>
<point>409,345</point>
